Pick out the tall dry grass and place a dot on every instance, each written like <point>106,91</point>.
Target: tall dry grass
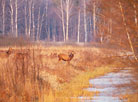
<point>37,75</point>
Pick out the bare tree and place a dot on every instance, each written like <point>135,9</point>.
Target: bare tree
<point>33,21</point>
<point>30,17</point>
<point>16,18</point>
<point>25,17</point>
<point>64,13</point>
<point>78,36</point>
<point>126,28</point>
<point>68,11</point>
<point>134,2</point>
<point>85,22</point>
<point>62,18</point>
<point>3,16</point>
<point>38,25</point>
<point>94,19</point>
<point>11,12</point>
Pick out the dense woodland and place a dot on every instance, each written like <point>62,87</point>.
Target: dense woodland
<point>104,21</point>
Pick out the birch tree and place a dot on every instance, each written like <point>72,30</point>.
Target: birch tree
<point>85,22</point>
<point>33,21</point>
<point>25,18</point>
<point>126,28</point>
<point>38,25</point>
<point>62,19</point>
<point>46,15</point>
<point>94,19</point>
<point>16,18</point>
<point>77,4</point>
<point>78,36</point>
<point>64,13</point>
<point>68,11</point>
<point>30,17</point>
<point>11,13</point>
<point>3,17</point>
<point>134,3</point>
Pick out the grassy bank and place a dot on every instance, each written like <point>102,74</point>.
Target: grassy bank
<point>40,77</point>
<point>76,87</point>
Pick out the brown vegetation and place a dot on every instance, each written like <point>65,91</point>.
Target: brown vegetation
<point>26,79</point>
<point>65,57</point>
<point>21,55</point>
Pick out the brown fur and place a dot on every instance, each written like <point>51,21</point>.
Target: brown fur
<point>6,54</point>
<point>66,57</point>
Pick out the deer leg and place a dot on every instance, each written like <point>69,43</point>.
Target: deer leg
<point>59,59</point>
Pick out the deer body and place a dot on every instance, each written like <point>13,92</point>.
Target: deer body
<point>66,57</point>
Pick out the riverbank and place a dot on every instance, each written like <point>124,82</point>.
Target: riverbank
<point>40,76</point>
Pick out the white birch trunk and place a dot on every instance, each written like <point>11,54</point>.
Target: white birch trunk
<point>91,25</point>
<point>127,32</point>
<point>85,22</point>
<point>29,26</point>
<point>67,18</point>
<point>3,17</point>
<point>30,20</point>
<point>135,11</point>
<point>78,36</point>
<point>11,12</point>
<point>16,18</point>
<point>62,14</point>
<point>101,34</point>
<point>33,21</point>
<point>25,17</point>
<point>38,25</point>
<point>94,20</point>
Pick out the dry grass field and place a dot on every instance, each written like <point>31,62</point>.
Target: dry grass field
<point>35,74</point>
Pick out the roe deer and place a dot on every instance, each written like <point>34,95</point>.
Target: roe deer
<point>6,54</point>
<point>66,57</point>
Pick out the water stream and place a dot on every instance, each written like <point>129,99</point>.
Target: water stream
<point>111,86</point>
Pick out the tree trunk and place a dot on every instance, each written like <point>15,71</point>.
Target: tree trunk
<point>85,22</point>
<point>3,17</point>
<point>33,21</point>
<point>38,25</point>
<point>67,19</point>
<point>29,26</point>
<point>94,21</point>
<point>110,31</point>
<point>135,11</point>
<point>41,24</point>
<point>127,32</point>
<point>46,17</point>
<point>11,12</point>
<point>62,14</point>
<point>48,38</point>
<point>25,17</point>
<point>16,18</point>
<point>78,36</point>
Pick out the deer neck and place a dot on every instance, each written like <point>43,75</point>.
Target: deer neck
<point>71,56</point>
